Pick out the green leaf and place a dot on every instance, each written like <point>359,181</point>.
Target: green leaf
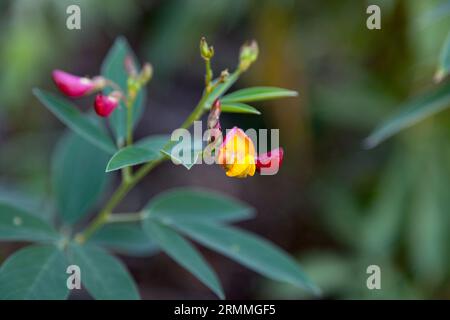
<point>113,68</point>
<point>221,88</point>
<point>36,204</point>
<point>103,275</point>
<point>237,107</point>
<point>34,273</point>
<point>143,151</point>
<point>382,225</point>
<point>411,113</point>
<point>78,176</point>
<point>250,250</point>
<point>184,253</point>
<point>75,120</point>
<point>177,151</point>
<point>427,228</point>
<point>444,60</point>
<point>258,94</point>
<point>188,164</point>
<point>330,271</point>
<point>17,224</point>
<point>125,238</point>
<point>187,204</point>
<point>131,156</point>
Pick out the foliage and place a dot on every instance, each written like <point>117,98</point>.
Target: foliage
<point>333,202</point>
<point>81,163</point>
<point>390,209</point>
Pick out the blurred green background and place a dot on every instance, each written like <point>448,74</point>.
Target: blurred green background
<point>335,206</point>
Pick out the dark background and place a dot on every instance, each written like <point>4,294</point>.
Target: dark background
<point>334,205</point>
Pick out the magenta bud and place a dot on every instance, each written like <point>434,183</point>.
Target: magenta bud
<point>105,105</point>
<point>71,85</point>
<point>218,126</point>
<point>271,159</point>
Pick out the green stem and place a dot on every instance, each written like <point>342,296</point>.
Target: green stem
<point>115,199</point>
<point>208,76</point>
<point>126,173</point>
<point>128,184</point>
<point>129,107</point>
<point>113,85</point>
<point>125,217</point>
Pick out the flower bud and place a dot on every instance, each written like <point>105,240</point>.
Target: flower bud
<point>270,160</point>
<point>224,76</point>
<point>249,54</point>
<point>213,122</point>
<point>133,86</point>
<point>146,73</point>
<point>74,86</point>
<point>130,66</point>
<point>206,51</point>
<point>99,83</point>
<point>237,154</point>
<point>105,105</point>
<point>214,115</point>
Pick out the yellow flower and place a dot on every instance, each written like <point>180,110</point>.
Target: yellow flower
<point>237,154</point>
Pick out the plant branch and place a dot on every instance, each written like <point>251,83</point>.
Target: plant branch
<point>125,217</point>
<point>113,85</point>
<point>129,106</point>
<point>208,76</point>
<point>127,184</point>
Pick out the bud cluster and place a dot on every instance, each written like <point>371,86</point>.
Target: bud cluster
<point>75,87</point>
<point>136,80</point>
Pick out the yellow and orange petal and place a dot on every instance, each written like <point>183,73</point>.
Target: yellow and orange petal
<point>237,154</point>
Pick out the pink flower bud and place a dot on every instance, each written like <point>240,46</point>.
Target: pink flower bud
<point>271,159</point>
<point>214,115</point>
<point>105,105</point>
<point>130,67</point>
<point>73,86</point>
